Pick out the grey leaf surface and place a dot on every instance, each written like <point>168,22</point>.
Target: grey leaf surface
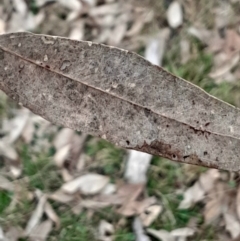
<point>119,96</point>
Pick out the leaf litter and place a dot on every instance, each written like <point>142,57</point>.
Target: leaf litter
<point>209,189</point>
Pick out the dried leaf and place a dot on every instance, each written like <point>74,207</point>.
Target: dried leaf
<point>198,191</point>
<point>66,176</point>
<point>150,214</point>
<point>109,189</point>
<point>163,235</point>
<point>106,230</point>
<point>61,155</point>
<point>77,31</point>
<point>14,234</point>
<point>2,237</point>
<point>185,51</point>
<point>139,231</point>
<point>88,203</point>
<point>207,179</point>
<point>133,207</point>
<point>41,231</point>
<point>6,184</point>
<point>51,214</point>
<point>61,196</point>
<point>183,232</point>
<point>88,184</point>
<point>63,138</point>
<point>15,126</point>
<point>156,46</point>
<point>16,171</point>
<point>36,215</point>
<point>213,209</point>
<point>103,91</point>
<point>238,202</point>
<point>74,5</point>
<point>191,196</point>
<point>232,224</point>
<point>174,14</point>
<point>126,193</point>
<point>137,166</point>
<point>105,9</point>
<point>225,67</point>
<point>8,151</point>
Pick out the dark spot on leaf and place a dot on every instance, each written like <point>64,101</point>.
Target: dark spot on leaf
<point>205,153</point>
<point>146,112</point>
<point>1,55</point>
<point>128,142</point>
<point>207,123</point>
<point>147,212</point>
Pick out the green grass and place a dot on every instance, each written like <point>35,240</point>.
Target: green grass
<point>5,199</point>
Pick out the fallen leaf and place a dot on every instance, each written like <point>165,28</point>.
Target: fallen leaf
<point>66,176</point>
<point>207,36</point>
<point>5,184</point>
<point>185,51</point>
<point>2,237</point>
<point>131,208</point>
<point>225,67</point>
<point>126,193</point>
<point>36,216</point>
<point>163,235</point>
<point>92,204</point>
<point>105,9</point>
<point>106,230</point>
<point>77,31</point>
<point>232,224</point>
<point>74,5</point>
<point>183,232</point>
<point>119,30</point>
<point>139,231</point>
<point>61,196</point>
<point>109,189</point>
<point>212,210</point>
<point>238,202</point>
<point>15,170</point>
<point>192,195</point>
<point>88,184</point>
<point>63,138</point>
<point>223,14</point>
<point>208,179</point>
<point>174,14</point>
<point>8,151</point>
<point>51,214</point>
<point>137,166</point>
<point>150,214</point>
<point>175,108</point>
<point>41,231</point>
<point>61,155</point>
<point>15,126</point>
<point>156,47</point>
<point>198,191</point>
<point>14,234</point>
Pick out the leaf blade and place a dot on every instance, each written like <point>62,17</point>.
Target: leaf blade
<point>121,97</point>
